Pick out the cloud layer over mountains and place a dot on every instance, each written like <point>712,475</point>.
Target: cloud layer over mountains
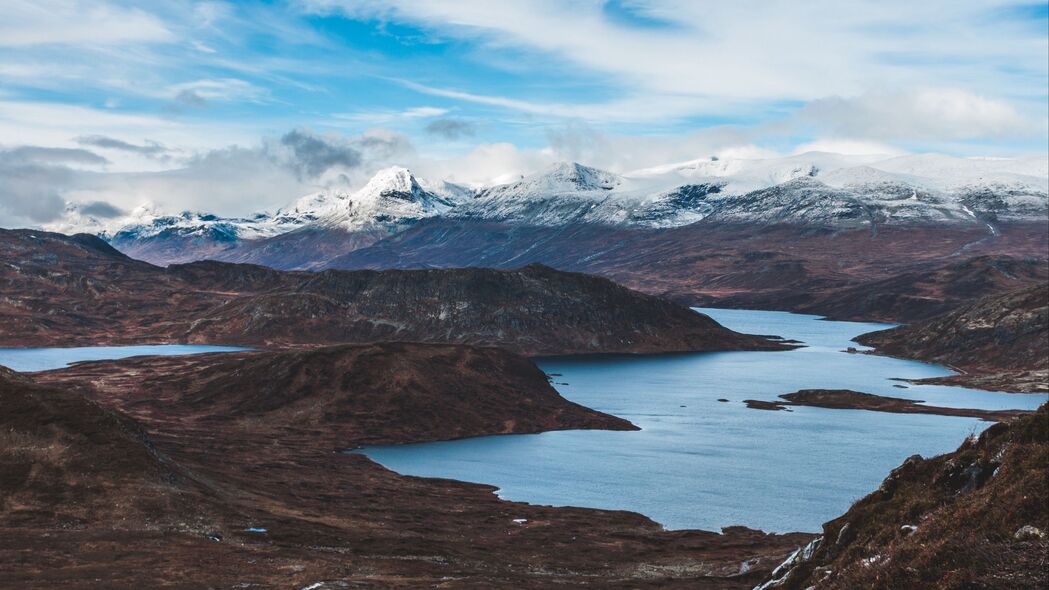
<point>235,107</point>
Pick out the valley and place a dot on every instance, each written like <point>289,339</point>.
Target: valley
<point>382,348</point>
<point>524,295</point>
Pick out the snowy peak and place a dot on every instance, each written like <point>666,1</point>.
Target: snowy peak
<point>581,177</point>
<point>560,179</point>
<point>393,183</point>
<point>392,197</point>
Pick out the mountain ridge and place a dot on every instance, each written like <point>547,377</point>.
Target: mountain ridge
<point>814,189</point>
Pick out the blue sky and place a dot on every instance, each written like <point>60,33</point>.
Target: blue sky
<point>478,90</point>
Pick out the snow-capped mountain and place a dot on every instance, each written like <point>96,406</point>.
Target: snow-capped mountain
<point>392,195</point>
<point>809,189</point>
<point>816,188</point>
<point>572,193</point>
<point>391,200</point>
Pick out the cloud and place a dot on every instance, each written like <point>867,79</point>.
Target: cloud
<point>848,146</point>
<point>187,99</point>
<point>925,114</point>
<point>314,155</point>
<point>51,155</point>
<point>241,180</point>
<point>32,179</point>
<point>72,22</point>
<point>101,209</point>
<point>224,89</point>
<point>716,58</point>
<point>580,142</point>
<point>488,163</point>
<point>56,120</point>
<point>451,128</point>
<point>149,149</point>
<point>376,117</point>
<point>37,183</point>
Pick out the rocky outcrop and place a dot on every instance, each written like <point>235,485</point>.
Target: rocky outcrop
<point>1001,340</point>
<point>948,522</point>
<point>57,290</point>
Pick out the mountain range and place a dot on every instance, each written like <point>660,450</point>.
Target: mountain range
<point>809,190</point>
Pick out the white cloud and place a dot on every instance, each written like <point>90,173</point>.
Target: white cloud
<point>488,163</point>
<point>635,108</point>
<point>378,117</point>
<point>932,113</point>
<point>745,50</point>
<point>850,147</point>
<point>938,73</point>
<point>224,89</point>
<point>68,22</point>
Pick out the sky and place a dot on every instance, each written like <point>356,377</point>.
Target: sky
<point>236,107</point>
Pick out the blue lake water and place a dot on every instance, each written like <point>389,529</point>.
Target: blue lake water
<point>43,359</point>
<point>701,463</point>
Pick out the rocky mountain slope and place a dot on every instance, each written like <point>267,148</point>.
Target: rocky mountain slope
<point>898,274</point>
<point>251,440</point>
<point>930,291</point>
<point>56,290</point>
<point>534,310</point>
<point>974,518</point>
<point>1000,341</point>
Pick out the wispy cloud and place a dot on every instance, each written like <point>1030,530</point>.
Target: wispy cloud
<point>718,54</point>
<point>75,22</point>
<point>387,116</point>
<point>224,89</point>
<point>149,148</point>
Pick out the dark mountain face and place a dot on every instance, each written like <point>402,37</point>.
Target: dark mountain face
<point>60,290</point>
<point>953,521</point>
<point>897,274</point>
<point>999,340</point>
<point>927,292</point>
<point>534,310</point>
<point>302,249</point>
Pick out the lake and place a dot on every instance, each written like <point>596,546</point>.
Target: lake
<point>697,462</point>
<point>44,359</point>
<point>702,463</point>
